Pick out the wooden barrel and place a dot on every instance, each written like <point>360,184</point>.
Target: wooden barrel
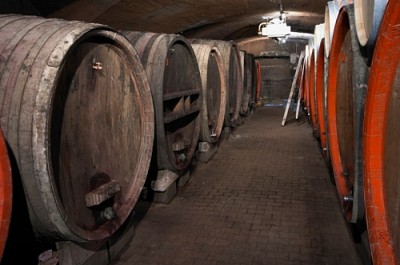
<point>331,13</point>
<point>320,97</point>
<point>312,94</point>
<point>78,116</point>
<point>381,142</point>
<point>348,75</point>
<point>319,31</point>
<point>175,83</point>
<point>258,82</point>
<point>368,17</point>
<point>247,84</point>
<point>230,53</point>
<point>253,98</point>
<point>214,89</point>
<point>6,194</point>
<point>242,59</point>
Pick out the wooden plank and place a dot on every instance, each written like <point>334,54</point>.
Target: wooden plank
<point>102,193</point>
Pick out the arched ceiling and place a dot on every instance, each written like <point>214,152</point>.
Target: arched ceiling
<point>214,19</point>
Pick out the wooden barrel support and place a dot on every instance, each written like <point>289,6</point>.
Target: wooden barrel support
<point>6,194</point>
<point>348,74</point>
<point>214,89</point>
<point>175,83</point>
<point>381,143</point>
<point>77,113</point>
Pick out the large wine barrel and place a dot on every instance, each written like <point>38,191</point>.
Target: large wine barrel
<point>368,17</point>
<point>77,114</point>
<point>348,75</point>
<point>175,83</point>
<point>320,96</point>
<point>311,91</point>
<point>214,89</point>
<point>381,142</point>
<point>247,84</point>
<point>230,53</point>
<point>5,194</point>
<point>331,13</point>
<point>253,98</point>
<point>319,32</point>
<point>258,82</point>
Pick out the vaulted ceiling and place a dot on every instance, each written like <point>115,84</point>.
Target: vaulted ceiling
<point>216,19</point>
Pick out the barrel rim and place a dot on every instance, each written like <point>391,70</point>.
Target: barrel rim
<point>341,28</point>
<point>383,69</point>
<point>331,14</point>
<point>319,87</point>
<point>6,193</point>
<point>367,31</point>
<point>311,91</point>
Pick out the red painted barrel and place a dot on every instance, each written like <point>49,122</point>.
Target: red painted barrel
<point>320,96</point>
<point>175,83</point>
<point>311,93</point>
<point>5,194</point>
<point>348,75</point>
<point>381,142</point>
<point>77,113</point>
<point>214,89</point>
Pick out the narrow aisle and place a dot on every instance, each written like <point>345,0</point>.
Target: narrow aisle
<point>264,198</point>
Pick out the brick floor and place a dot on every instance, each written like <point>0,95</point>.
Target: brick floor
<point>264,198</point>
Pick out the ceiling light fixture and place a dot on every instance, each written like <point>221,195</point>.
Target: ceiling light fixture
<point>275,27</point>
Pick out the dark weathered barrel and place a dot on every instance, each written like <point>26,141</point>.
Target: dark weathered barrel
<point>320,96</point>
<point>258,82</point>
<point>214,89</point>
<point>247,97</point>
<point>381,142</point>
<point>77,114</point>
<point>175,83</point>
<point>6,194</point>
<point>243,106</point>
<point>368,16</point>
<point>348,75</point>
<point>230,53</point>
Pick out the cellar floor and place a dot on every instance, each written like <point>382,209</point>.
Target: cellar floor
<point>265,198</point>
